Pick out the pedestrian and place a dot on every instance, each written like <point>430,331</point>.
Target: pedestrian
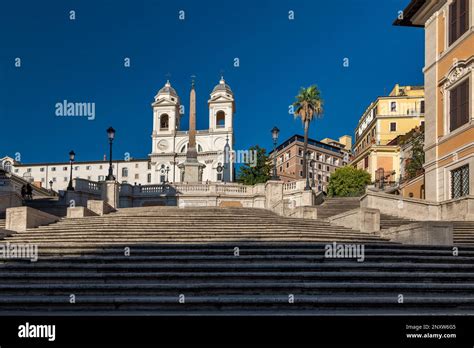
<point>29,192</point>
<point>23,192</point>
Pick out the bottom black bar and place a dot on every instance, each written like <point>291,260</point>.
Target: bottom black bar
<point>227,331</point>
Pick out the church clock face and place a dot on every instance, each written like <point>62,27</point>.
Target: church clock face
<point>162,145</point>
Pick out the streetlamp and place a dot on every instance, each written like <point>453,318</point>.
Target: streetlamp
<point>51,185</point>
<point>307,187</point>
<point>313,164</point>
<point>111,136</point>
<point>275,131</point>
<point>72,156</point>
<point>167,171</point>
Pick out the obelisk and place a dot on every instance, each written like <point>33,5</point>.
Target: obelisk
<point>191,154</point>
<point>191,168</point>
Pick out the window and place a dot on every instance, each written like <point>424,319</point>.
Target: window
<point>220,119</point>
<point>460,182</point>
<point>164,122</point>
<point>136,165</point>
<point>101,178</point>
<point>281,169</point>
<point>65,179</point>
<point>64,169</point>
<point>393,126</point>
<point>28,170</point>
<point>125,172</point>
<point>149,165</point>
<point>459,105</point>
<point>422,107</point>
<point>327,168</point>
<point>88,178</point>
<point>458,19</point>
<point>162,178</point>
<point>53,169</point>
<point>287,164</point>
<point>7,166</point>
<point>88,167</point>
<point>393,106</point>
<point>301,173</point>
<point>42,169</point>
<point>148,179</point>
<point>76,168</point>
<point>54,179</point>
<point>366,162</point>
<point>137,176</point>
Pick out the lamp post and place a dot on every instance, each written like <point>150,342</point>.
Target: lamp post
<point>51,185</point>
<point>111,136</point>
<point>313,164</point>
<point>72,156</point>
<point>275,132</point>
<point>167,171</point>
<point>307,187</point>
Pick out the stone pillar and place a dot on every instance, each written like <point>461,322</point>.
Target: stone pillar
<point>111,193</point>
<point>274,196</point>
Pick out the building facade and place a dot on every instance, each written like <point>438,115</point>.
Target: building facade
<point>449,84</point>
<point>385,119</point>
<point>168,150</point>
<point>289,160</point>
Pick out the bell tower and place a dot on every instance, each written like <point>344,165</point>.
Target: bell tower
<point>221,108</point>
<point>166,115</point>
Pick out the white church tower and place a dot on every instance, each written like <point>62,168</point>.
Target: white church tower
<point>221,108</point>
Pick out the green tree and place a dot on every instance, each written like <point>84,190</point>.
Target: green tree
<point>308,106</point>
<point>348,181</point>
<point>258,171</point>
<point>414,165</point>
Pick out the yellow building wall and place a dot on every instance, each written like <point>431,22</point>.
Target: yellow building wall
<point>404,125</point>
<point>415,187</point>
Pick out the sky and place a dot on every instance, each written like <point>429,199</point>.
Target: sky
<point>82,60</point>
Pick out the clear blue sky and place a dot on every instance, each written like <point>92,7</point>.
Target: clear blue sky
<point>82,61</point>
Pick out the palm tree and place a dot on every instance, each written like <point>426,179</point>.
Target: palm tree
<point>308,106</point>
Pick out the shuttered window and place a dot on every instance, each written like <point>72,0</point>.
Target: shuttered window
<point>459,105</point>
<point>458,19</point>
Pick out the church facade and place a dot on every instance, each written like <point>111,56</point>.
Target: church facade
<point>168,150</point>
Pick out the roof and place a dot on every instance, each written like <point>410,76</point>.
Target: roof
<point>222,87</point>
<point>79,162</point>
<point>300,138</point>
<point>408,13</point>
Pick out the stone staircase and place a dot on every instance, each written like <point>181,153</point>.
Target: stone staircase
<point>183,261</point>
<point>389,221</point>
<point>337,205</point>
<point>463,232</point>
<point>50,205</point>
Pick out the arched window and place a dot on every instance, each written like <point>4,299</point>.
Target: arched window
<point>7,166</point>
<point>220,119</point>
<point>164,122</point>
